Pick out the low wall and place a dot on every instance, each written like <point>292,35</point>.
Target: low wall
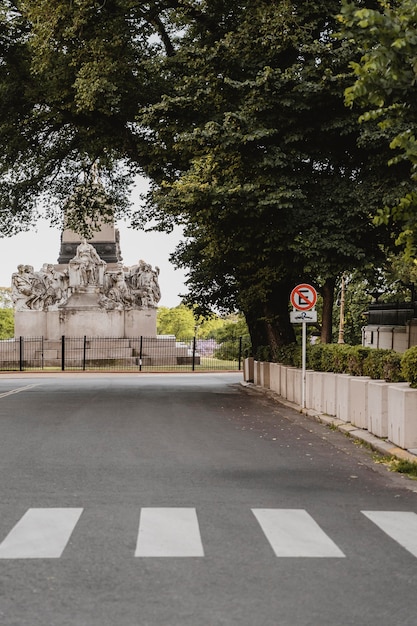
<point>387,410</point>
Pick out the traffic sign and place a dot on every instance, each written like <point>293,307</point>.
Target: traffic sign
<point>303,297</point>
<point>298,317</point>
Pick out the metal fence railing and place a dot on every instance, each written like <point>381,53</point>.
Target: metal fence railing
<point>160,353</point>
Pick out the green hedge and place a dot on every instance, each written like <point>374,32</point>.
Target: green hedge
<point>356,361</point>
<point>409,366</point>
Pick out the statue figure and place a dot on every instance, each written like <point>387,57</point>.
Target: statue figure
<point>143,282</point>
<point>117,289</point>
<point>86,268</point>
<point>21,288</point>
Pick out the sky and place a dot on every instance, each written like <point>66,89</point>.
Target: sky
<point>42,246</point>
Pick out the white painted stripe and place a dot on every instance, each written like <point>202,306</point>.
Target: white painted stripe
<point>399,525</point>
<point>169,532</point>
<point>294,533</point>
<point>40,534</point>
<point>18,390</point>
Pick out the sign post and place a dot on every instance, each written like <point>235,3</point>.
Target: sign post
<point>303,298</point>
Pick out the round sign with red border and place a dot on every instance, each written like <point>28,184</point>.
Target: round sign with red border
<point>303,297</point>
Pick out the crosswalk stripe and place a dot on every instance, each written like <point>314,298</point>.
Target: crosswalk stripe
<point>40,534</point>
<point>399,525</point>
<point>294,533</point>
<point>169,532</point>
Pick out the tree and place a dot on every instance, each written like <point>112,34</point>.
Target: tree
<point>385,79</point>
<point>233,109</point>
<point>6,314</point>
<point>178,321</point>
<point>265,172</point>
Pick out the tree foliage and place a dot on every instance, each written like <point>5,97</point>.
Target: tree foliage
<point>385,88</point>
<point>234,110</point>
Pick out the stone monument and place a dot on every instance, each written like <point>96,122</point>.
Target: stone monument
<point>86,295</point>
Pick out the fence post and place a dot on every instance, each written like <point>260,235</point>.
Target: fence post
<point>43,346</point>
<point>240,352</point>
<point>140,353</point>
<point>63,352</point>
<point>84,351</point>
<point>194,347</point>
<point>21,353</point>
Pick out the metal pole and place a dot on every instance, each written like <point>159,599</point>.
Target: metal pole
<point>194,346</point>
<point>342,313</point>
<point>240,352</point>
<point>140,353</point>
<point>21,353</point>
<point>63,352</point>
<point>304,353</point>
<point>84,351</point>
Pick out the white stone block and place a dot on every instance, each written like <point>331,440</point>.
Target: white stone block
<point>343,397</point>
<point>284,369</point>
<point>309,388</point>
<point>317,392</point>
<point>298,386</point>
<point>265,374</point>
<point>402,415</point>
<point>329,402</point>
<point>378,407</point>
<point>248,370</point>
<point>359,401</point>
<point>290,396</point>
<point>275,377</point>
<point>257,372</point>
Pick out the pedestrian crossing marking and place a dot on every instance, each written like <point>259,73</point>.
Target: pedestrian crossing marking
<point>169,532</point>
<point>43,533</point>
<point>399,525</point>
<point>294,533</point>
<point>40,534</point>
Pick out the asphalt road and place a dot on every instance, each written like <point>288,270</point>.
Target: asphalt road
<point>190,500</point>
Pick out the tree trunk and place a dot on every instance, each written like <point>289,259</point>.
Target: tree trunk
<point>327,292</point>
<point>269,324</point>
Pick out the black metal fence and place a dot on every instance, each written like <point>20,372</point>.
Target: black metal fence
<point>141,354</point>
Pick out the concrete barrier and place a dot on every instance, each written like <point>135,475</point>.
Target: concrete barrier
<point>358,402</point>
<point>402,415</point>
<point>248,370</point>
<point>275,377</point>
<point>264,374</point>
<point>343,397</point>
<point>378,407</point>
<point>387,410</point>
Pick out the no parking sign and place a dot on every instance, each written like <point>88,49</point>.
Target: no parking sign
<point>303,297</point>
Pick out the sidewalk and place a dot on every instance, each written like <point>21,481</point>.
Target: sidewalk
<point>382,446</point>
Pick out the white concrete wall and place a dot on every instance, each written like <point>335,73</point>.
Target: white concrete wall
<point>385,409</point>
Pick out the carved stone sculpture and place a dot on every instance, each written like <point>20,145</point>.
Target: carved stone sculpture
<point>119,288</point>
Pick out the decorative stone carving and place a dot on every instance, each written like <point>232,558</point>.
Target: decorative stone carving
<point>86,269</point>
<point>39,291</point>
<point>119,288</point>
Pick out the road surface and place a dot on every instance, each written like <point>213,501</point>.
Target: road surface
<point>190,500</point>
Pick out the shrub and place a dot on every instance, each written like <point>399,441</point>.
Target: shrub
<point>289,355</point>
<point>356,359</point>
<point>409,366</point>
<point>384,365</point>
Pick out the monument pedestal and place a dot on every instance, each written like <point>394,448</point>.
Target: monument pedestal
<point>85,321</point>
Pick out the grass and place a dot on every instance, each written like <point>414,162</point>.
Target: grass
<point>401,466</point>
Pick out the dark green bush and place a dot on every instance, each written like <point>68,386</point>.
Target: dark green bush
<point>409,366</point>
<point>355,360</point>
<point>383,365</point>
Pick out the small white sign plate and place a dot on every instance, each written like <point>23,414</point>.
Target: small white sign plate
<point>298,317</point>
